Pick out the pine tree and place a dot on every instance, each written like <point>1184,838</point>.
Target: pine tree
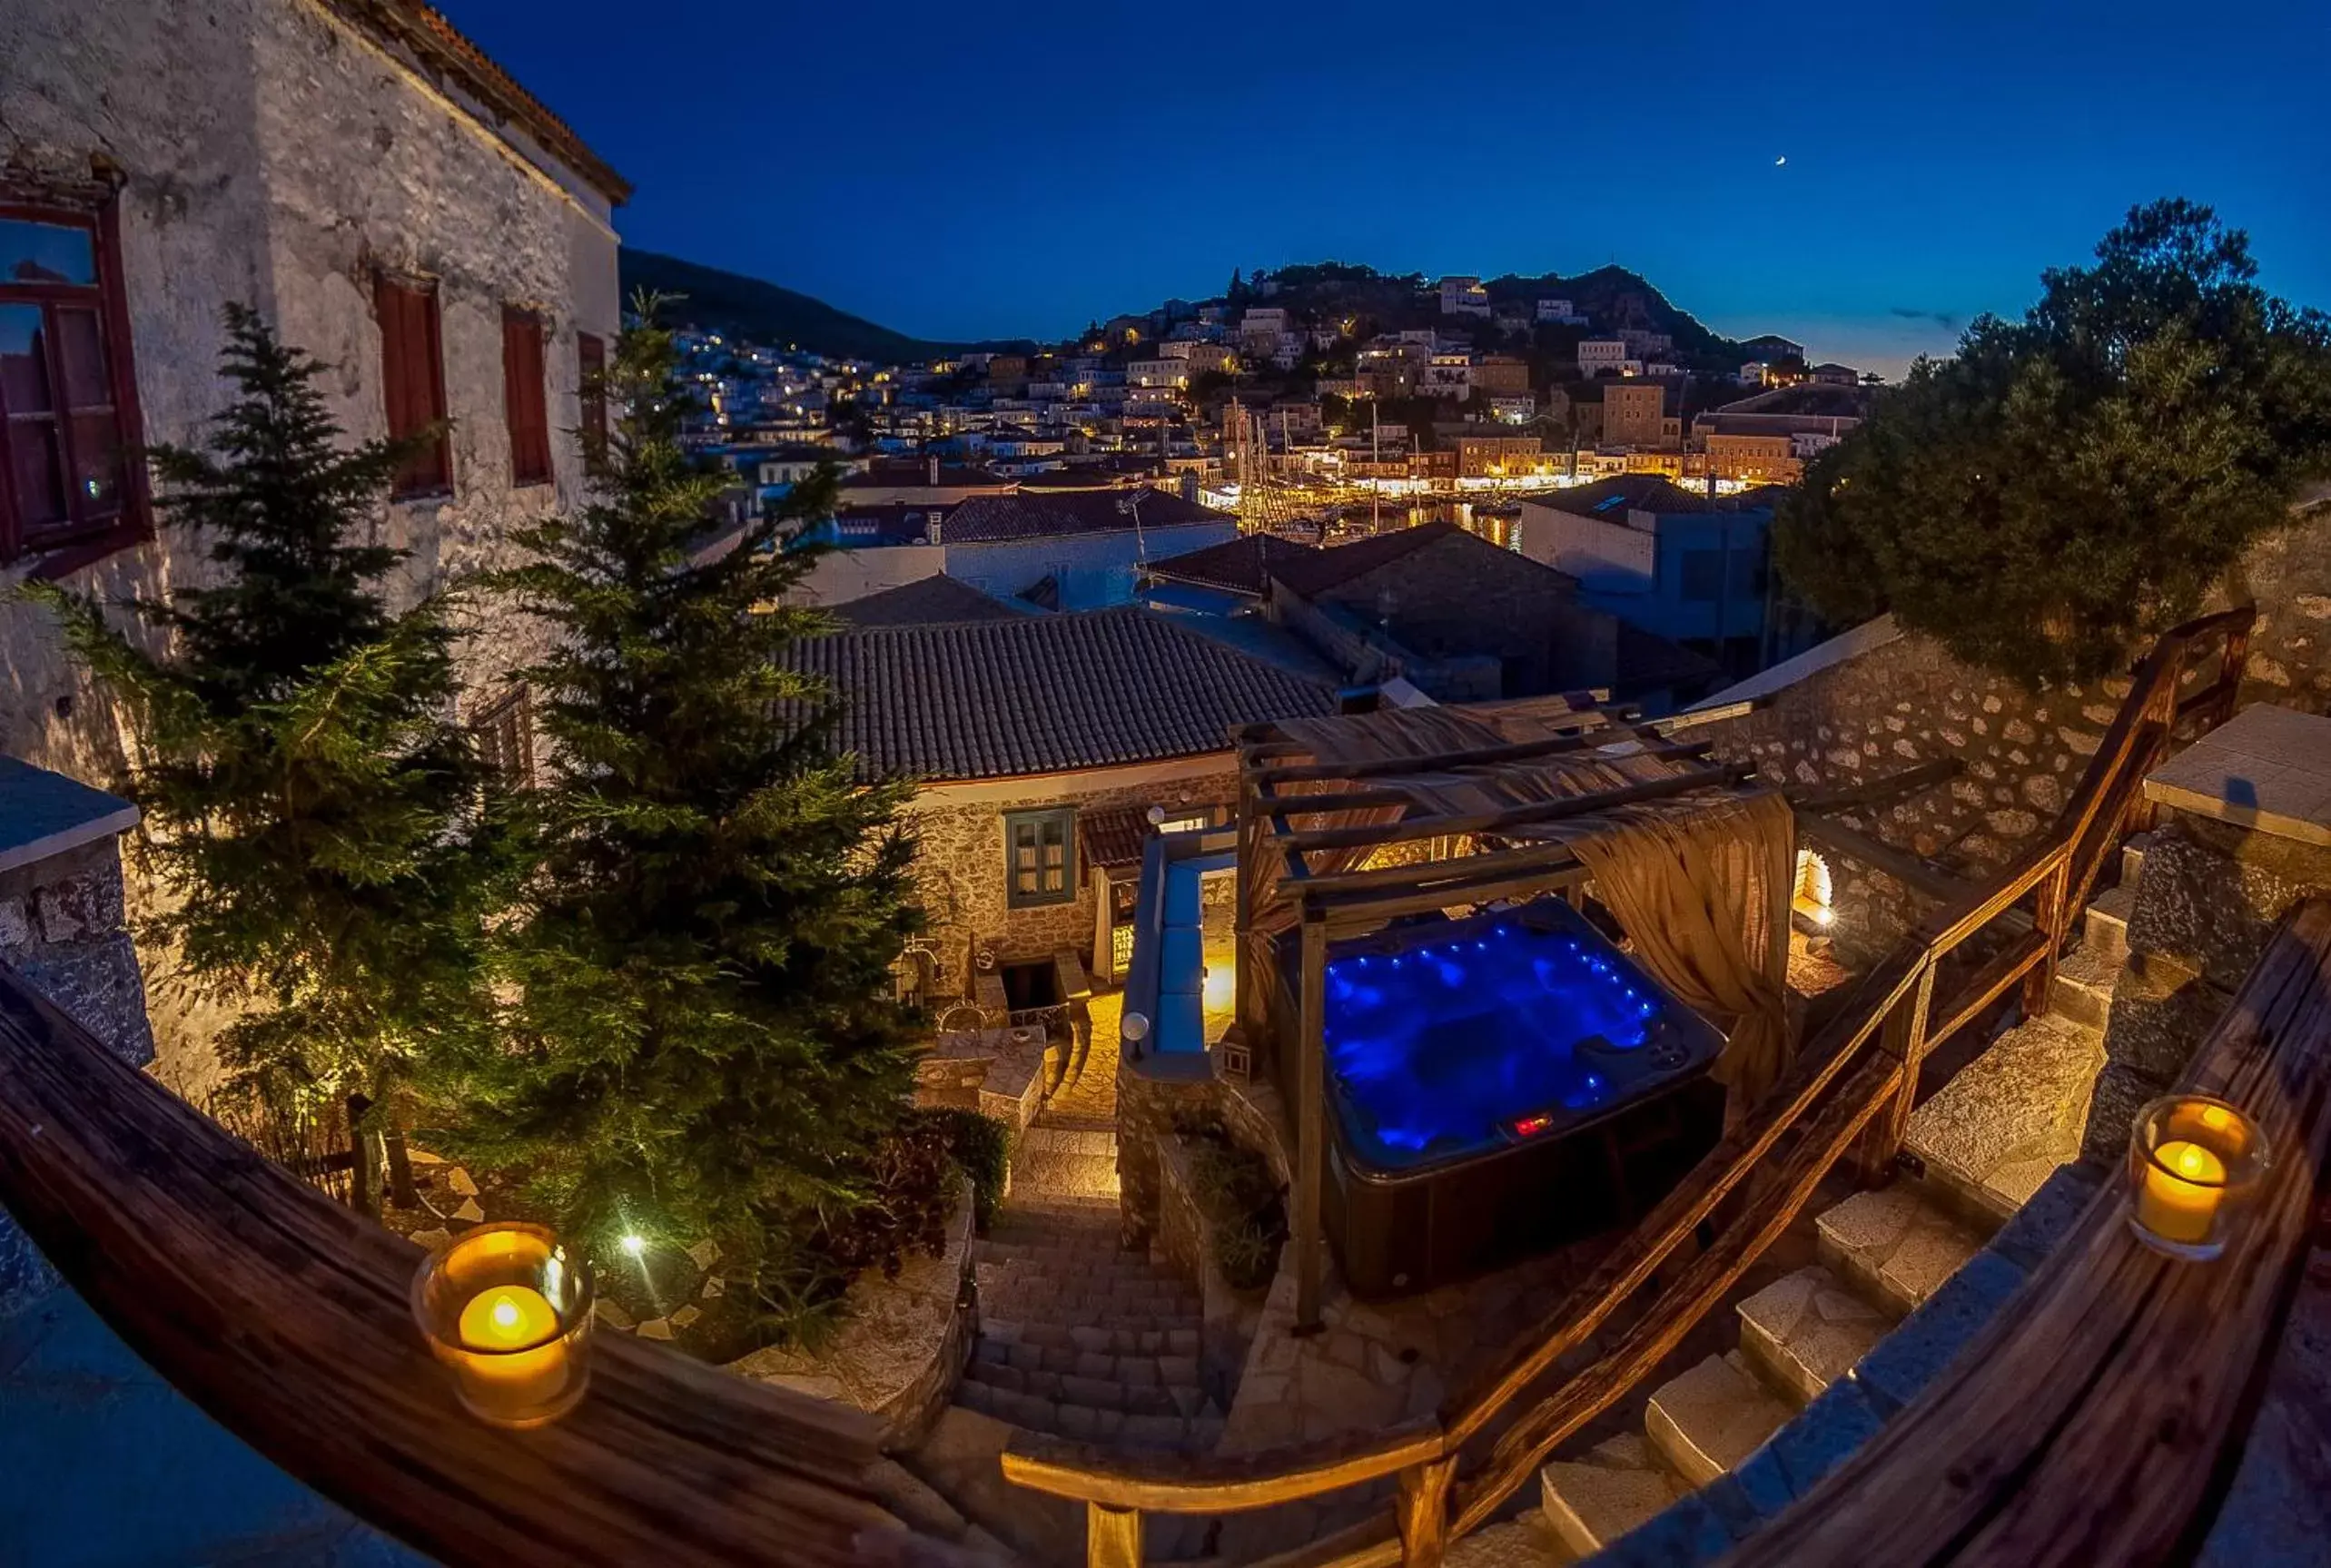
<point>701,1038</point>
<point>311,814</point>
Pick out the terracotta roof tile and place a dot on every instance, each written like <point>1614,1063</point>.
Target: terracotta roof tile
<point>1043,693</point>
<point>984,519</point>
<point>927,601</point>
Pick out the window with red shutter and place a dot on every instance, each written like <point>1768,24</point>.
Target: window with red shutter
<point>412,382</point>
<point>68,401</point>
<point>590,354</point>
<point>522,398</point>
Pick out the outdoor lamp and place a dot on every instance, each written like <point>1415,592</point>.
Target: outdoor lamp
<point>508,1310</point>
<point>2193,1164</point>
<point>1135,1027</point>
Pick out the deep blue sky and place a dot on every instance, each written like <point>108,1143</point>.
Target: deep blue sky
<point>969,169</point>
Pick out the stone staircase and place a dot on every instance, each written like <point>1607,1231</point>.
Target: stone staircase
<point>1083,1339</point>
<point>1079,1338</point>
<point>1979,1148</point>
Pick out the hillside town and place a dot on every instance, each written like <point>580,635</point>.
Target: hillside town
<point>1383,919</point>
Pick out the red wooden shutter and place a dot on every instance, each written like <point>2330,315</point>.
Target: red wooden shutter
<point>523,400</point>
<point>590,354</point>
<point>412,382</point>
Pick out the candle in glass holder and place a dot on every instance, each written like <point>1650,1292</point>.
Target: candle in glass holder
<point>2194,1163</point>
<point>505,1309</point>
<point>2179,1199</point>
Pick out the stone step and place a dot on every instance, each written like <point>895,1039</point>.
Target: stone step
<point>2132,857</point>
<point>1805,1330</point>
<point>1990,1136</point>
<point>1021,1296</point>
<point>1896,1247</point>
<point>1133,1384</point>
<point>2103,928</point>
<point>2082,989</point>
<point>1705,1421</point>
<point>960,1459</point>
<point>1166,1428</point>
<point>1116,1339</point>
<point>1527,1542</point>
<point>1590,1503</point>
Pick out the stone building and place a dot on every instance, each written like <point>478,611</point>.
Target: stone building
<point>1042,742</point>
<point>372,185</point>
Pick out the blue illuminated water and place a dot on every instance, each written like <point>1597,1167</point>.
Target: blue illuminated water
<point>1439,1037</point>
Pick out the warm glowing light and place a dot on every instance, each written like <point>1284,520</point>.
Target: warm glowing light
<point>2179,1199</point>
<point>1216,991</point>
<point>634,1243</point>
<point>507,1317</point>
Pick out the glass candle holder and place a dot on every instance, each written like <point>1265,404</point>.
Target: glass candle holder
<point>508,1310</point>
<point>2193,1164</point>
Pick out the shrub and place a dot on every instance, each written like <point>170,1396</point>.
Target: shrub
<point>981,1147</point>
<point>1242,1202</point>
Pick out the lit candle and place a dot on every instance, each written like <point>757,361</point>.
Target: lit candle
<point>2179,1201</point>
<point>509,1312</point>
<point>520,1360</point>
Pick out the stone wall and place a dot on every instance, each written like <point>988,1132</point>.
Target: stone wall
<point>2207,903</point>
<point>1150,1093</point>
<point>902,1345</point>
<point>1904,700</point>
<point>1907,701</point>
<point>960,868</point>
<point>269,153</point>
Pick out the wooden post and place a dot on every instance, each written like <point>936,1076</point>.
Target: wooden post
<point>1423,1511</point>
<point>1112,1536</point>
<point>2054,918</point>
<point>2231,667</point>
<point>1310,1123</point>
<point>400,1168</point>
<point>1783,917</point>
<point>361,1195</point>
<point>1903,1037</point>
<point>1248,1010</point>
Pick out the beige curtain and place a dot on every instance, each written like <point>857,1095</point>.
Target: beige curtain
<point>1695,895</point>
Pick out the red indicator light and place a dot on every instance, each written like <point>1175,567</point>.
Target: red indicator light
<point>1531,1125</point>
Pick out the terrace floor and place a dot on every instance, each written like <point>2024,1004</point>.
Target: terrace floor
<point>103,1464</point>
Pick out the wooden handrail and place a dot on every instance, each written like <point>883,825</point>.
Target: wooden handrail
<point>286,1317</point>
<point>1836,1087</point>
<point>2098,1417</point>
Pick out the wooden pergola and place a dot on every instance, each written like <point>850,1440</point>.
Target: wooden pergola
<point>1458,806</point>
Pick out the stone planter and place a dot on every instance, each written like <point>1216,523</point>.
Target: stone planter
<point>902,1346</point>
<point>1185,1240</point>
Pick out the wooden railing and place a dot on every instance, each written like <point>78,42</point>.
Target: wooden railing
<point>1853,1084</point>
<point>286,1317</point>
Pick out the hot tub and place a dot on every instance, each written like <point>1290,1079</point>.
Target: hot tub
<point>1497,1086</point>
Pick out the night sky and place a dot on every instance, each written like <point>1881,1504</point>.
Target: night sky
<point>975,170</point>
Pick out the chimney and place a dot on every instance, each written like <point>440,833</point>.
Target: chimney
<point>934,470</point>
<point>930,528</point>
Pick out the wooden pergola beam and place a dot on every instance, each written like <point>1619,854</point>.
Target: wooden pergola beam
<point>1534,814</point>
<point>1472,756</point>
<point>1425,877</point>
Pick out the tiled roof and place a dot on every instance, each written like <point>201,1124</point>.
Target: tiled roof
<point>984,519</point>
<point>927,601</point>
<point>1043,693</point>
<point>1238,565</point>
<point>423,29</point>
<point>1320,570</point>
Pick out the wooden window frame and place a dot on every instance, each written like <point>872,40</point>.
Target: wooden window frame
<point>509,716</point>
<point>428,474</point>
<point>1063,819</point>
<point>57,551</point>
<point>590,367</point>
<point>526,405</point>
